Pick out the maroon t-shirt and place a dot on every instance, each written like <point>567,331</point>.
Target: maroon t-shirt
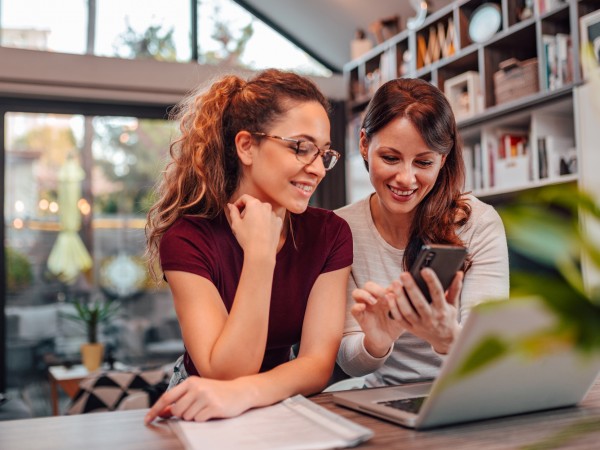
<point>321,243</point>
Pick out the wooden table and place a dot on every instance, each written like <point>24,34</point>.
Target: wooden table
<point>68,379</point>
<point>573,428</point>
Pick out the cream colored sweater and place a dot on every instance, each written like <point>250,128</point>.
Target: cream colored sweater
<point>411,358</point>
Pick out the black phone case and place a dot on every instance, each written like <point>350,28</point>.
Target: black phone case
<point>445,260</point>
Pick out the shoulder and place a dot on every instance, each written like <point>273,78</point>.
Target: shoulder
<point>322,222</point>
<point>191,231</point>
<point>354,212</point>
<point>484,219</point>
<point>317,217</point>
<point>481,210</point>
<point>188,225</point>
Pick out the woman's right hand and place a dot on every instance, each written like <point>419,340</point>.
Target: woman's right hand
<point>371,311</point>
<point>200,399</point>
<point>256,227</point>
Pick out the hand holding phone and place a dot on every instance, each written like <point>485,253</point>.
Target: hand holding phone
<point>444,260</point>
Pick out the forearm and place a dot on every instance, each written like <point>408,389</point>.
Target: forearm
<point>303,375</point>
<point>354,359</point>
<point>240,347</point>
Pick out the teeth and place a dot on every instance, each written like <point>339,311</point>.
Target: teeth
<point>398,192</point>
<point>304,187</point>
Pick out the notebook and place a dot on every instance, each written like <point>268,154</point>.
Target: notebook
<point>296,423</point>
<point>513,384</point>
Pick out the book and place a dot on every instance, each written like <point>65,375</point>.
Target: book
<point>477,166</point>
<point>293,424</point>
<point>564,58</point>
<point>542,158</point>
<point>469,169</point>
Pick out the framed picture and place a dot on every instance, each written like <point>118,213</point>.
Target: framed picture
<point>464,94</point>
<point>590,34</point>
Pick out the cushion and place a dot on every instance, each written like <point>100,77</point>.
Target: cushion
<point>106,390</point>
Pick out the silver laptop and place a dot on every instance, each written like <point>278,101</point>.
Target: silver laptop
<point>512,384</point>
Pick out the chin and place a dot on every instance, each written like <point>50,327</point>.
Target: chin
<point>297,208</point>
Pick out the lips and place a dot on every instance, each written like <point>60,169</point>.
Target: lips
<point>401,193</point>
<point>307,188</point>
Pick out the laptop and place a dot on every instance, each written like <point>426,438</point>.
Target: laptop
<point>512,384</point>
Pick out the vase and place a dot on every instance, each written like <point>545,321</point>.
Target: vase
<point>92,355</point>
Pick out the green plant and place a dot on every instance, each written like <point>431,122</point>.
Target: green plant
<point>18,270</point>
<point>544,225</point>
<point>91,314</point>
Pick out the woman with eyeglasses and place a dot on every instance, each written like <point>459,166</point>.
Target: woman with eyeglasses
<point>411,148</point>
<point>252,268</point>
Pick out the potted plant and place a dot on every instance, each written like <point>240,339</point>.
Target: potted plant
<point>18,270</point>
<point>91,314</point>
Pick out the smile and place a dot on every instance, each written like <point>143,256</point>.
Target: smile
<point>399,192</point>
<point>304,187</point>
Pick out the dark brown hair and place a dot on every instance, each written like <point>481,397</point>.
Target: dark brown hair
<point>444,209</point>
<point>205,170</point>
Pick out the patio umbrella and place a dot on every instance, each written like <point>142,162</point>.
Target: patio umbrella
<point>69,257</point>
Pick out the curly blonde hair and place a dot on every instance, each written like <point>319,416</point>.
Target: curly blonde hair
<point>204,170</point>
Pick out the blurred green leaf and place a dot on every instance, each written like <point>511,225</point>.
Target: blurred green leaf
<point>544,226</point>
<point>484,353</point>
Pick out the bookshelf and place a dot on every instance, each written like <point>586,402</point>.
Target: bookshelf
<point>516,91</point>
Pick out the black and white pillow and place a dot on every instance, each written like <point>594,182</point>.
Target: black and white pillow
<point>107,390</point>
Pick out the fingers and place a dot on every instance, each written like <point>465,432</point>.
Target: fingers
<point>436,291</point>
<point>243,200</point>
<point>413,304</point>
<point>455,288</point>
<point>162,406</point>
<point>395,290</point>
<point>234,213</point>
<point>361,296</point>
<point>166,413</point>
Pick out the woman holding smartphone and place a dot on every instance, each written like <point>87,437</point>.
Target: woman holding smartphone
<point>411,148</point>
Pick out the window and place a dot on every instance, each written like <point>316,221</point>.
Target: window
<point>227,33</point>
<point>44,25</point>
<point>151,29</point>
<point>120,160</point>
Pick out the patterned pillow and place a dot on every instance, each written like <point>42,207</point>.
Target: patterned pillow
<point>104,391</point>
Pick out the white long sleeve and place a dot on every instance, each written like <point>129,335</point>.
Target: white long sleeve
<point>411,358</point>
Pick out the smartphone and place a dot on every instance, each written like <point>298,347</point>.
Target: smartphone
<point>445,260</point>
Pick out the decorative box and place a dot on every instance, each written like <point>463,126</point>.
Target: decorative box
<point>515,79</point>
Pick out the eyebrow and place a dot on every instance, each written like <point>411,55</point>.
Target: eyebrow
<point>306,137</point>
<point>425,153</point>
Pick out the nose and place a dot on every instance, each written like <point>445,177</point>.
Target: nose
<point>316,167</point>
<point>405,176</point>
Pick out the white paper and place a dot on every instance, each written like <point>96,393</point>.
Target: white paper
<point>285,426</point>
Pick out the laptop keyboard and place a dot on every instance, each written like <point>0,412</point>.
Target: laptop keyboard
<point>412,405</point>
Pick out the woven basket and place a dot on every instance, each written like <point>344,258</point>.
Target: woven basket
<point>516,79</point>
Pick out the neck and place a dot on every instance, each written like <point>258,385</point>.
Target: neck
<point>394,229</point>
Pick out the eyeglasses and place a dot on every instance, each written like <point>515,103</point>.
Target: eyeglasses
<point>306,152</point>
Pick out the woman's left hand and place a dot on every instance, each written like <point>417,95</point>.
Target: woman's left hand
<point>435,322</point>
<point>200,399</point>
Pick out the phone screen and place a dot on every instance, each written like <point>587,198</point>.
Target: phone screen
<point>444,260</point>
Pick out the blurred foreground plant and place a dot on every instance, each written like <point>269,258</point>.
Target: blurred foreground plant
<point>544,226</point>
